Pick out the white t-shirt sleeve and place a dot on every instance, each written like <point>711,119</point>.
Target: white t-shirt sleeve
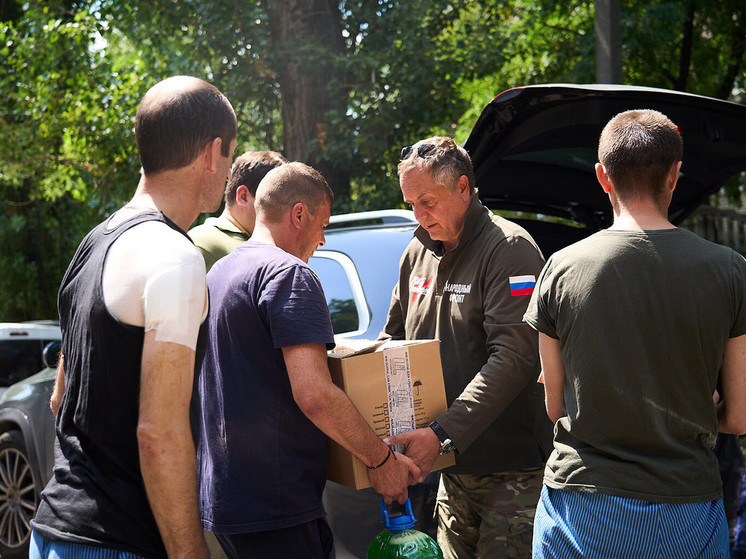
<point>154,277</point>
<point>174,303</point>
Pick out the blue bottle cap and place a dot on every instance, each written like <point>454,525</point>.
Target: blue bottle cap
<point>400,521</point>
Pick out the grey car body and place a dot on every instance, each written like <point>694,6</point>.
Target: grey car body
<point>26,456</point>
<point>533,150</point>
<point>21,348</point>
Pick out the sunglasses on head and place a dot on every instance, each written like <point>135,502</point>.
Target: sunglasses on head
<point>423,150</point>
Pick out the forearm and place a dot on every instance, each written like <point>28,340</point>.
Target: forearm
<point>726,424</point>
<point>59,387</point>
<point>732,409</point>
<point>731,417</point>
<point>332,411</point>
<point>553,371</point>
<point>389,473</point>
<point>554,409</point>
<point>167,454</point>
<point>167,462</point>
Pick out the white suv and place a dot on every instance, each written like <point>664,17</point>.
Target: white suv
<point>22,347</point>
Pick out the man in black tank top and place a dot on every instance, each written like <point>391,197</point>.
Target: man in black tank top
<point>131,306</point>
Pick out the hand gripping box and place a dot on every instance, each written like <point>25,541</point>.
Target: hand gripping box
<point>395,385</point>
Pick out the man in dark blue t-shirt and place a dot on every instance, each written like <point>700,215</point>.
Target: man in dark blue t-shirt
<point>266,393</point>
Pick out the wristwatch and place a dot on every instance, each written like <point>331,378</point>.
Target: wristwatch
<point>446,444</point>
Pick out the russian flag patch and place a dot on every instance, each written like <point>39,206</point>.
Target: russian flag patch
<point>521,285</point>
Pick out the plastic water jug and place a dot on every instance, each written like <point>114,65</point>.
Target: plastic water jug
<point>400,540</point>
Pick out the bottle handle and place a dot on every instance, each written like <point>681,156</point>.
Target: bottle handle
<point>399,522</point>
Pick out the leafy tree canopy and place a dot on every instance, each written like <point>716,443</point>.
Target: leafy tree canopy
<point>385,73</point>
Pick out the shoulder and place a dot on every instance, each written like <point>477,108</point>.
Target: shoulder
<point>206,230</point>
<point>588,246</point>
<point>211,235</point>
<point>714,252</point>
<point>287,281</point>
<point>706,245</point>
<point>214,242</point>
<point>159,242</point>
<point>264,261</point>
<point>572,258</point>
<point>502,239</point>
<point>498,229</point>
<point>297,268</point>
<point>415,246</point>
<point>413,251</point>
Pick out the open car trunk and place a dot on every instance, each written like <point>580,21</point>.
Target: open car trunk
<point>534,150</point>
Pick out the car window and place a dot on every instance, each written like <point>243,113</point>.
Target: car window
<point>20,359</point>
<point>343,292</point>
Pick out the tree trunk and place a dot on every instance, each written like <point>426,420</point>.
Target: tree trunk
<point>307,43</point>
<point>685,56</point>
<point>608,30</point>
<point>737,54</point>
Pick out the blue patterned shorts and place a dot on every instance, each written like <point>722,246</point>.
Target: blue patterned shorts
<point>42,548</point>
<point>575,524</point>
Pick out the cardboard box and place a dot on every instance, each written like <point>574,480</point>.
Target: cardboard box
<point>395,385</point>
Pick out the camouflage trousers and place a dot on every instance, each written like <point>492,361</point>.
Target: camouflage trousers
<point>488,516</point>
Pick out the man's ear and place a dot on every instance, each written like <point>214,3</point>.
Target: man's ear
<point>673,176</point>
<point>298,215</point>
<point>463,187</point>
<point>243,195</point>
<point>603,178</point>
<point>212,154</point>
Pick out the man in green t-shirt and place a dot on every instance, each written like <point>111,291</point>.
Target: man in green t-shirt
<point>220,235</point>
<point>635,324</point>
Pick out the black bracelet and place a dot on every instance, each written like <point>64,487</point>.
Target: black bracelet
<point>384,460</point>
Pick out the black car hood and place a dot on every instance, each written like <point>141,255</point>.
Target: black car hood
<point>534,148</point>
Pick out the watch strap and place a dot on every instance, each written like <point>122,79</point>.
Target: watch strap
<point>446,444</point>
<point>438,430</point>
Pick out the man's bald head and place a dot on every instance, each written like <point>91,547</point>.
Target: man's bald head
<point>287,185</point>
<point>177,118</point>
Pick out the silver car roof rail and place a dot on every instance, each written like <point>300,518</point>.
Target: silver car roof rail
<point>385,217</point>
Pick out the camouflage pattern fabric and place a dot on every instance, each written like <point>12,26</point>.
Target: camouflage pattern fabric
<point>488,516</point>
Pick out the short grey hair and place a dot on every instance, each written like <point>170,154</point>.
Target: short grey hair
<point>443,158</point>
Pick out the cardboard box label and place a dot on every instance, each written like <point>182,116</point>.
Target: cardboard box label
<point>399,388</point>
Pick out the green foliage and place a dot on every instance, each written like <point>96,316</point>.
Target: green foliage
<point>222,41</point>
<point>74,70</point>
<point>403,78</point>
<point>64,152</point>
<point>656,50</point>
<point>733,190</point>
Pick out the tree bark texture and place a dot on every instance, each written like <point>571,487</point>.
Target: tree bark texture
<point>685,56</point>
<point>737,54</point>
<point>307,41</point>
<point>608,30</point>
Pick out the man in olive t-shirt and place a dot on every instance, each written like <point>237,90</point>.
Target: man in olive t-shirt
<point>635,323</point>
<point>218,236</point>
